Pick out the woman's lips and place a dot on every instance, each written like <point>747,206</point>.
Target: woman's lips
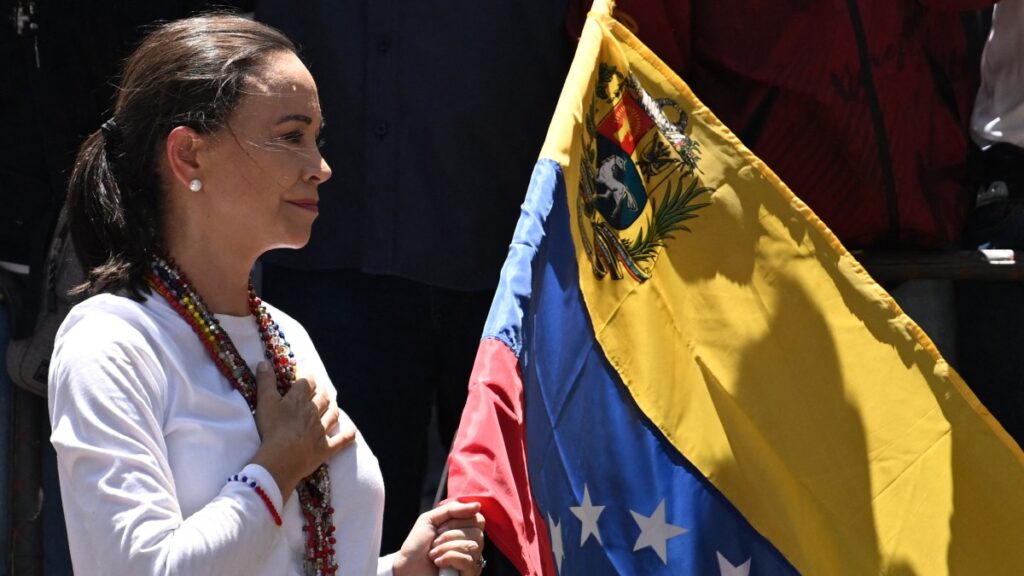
<point>310,205</point>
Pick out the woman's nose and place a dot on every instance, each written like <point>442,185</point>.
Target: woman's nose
<point>320,174</point>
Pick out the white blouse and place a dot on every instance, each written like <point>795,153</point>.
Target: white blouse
<point>147,432</point>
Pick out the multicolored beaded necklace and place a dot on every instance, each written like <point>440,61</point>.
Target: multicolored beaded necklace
<point>315,490</point>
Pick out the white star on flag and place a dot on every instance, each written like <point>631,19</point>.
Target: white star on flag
<point>727,569</point>
<point>655,532</point>
<point>588,515</point>
<point>556,542</point>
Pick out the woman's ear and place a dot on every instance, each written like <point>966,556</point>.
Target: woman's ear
<point>183,144</point>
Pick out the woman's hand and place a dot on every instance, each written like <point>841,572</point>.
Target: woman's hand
<point>451,535</point>
<point>299,430</point>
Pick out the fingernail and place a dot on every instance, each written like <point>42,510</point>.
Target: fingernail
<point>262,368</point>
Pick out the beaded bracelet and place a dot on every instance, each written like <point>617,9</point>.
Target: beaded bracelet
<point>259,492</point>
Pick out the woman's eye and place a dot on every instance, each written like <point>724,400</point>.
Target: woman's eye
<point>294,137</point>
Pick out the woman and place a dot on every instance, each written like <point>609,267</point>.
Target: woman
<point>175,458</point>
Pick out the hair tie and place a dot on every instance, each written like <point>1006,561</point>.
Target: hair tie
<point>112,138</point>
<point>109,127</point>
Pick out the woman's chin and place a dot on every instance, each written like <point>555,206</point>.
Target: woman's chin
<point>294,241</point>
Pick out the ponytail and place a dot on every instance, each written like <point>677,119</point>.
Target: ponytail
<point>112,224</point>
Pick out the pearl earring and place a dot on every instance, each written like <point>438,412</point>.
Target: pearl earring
<point>195,185</point>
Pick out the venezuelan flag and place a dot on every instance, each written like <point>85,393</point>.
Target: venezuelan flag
<point>684,372</point>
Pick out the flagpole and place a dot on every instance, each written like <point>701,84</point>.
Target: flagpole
<point>437,499</point>
<point>442,481</point>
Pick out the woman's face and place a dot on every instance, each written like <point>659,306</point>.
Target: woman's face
<point>262,170</point>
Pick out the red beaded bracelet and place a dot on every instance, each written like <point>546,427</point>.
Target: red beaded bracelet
<point>259,492</point>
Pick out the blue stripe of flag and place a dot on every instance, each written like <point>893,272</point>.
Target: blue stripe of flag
<point>584,431</point>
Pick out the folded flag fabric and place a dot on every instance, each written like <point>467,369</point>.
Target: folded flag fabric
<point>684,372</point>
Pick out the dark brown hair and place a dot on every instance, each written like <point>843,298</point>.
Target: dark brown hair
<point>190,72</point>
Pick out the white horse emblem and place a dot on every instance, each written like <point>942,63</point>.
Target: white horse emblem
<point>610,185</point>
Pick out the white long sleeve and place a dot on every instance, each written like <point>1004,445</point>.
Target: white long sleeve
<point>147,433</point>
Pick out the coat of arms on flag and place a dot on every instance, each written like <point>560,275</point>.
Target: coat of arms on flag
<point>631,149</point>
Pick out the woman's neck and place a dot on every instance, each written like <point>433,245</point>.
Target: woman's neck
<point>216,260</point>
<point>221,279</point>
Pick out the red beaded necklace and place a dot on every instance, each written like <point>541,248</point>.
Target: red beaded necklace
<point>314,490</point>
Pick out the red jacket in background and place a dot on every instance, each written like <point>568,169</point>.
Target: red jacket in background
<point>878,151</point>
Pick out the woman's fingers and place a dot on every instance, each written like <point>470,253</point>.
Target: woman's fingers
<point>464,562</point>
<point>476,520</point>
<point>310,400</point>
<point>462,554</point>
<point>302,391</point>
<point>460,537</point>
<point>266,381</point>
<point>299,431</point>
<point>474,533</point>
<point>453,510</point>
<point>345,436</point>
<point>305,387</point>
<point>322,402</point>
<point>330,419</point>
